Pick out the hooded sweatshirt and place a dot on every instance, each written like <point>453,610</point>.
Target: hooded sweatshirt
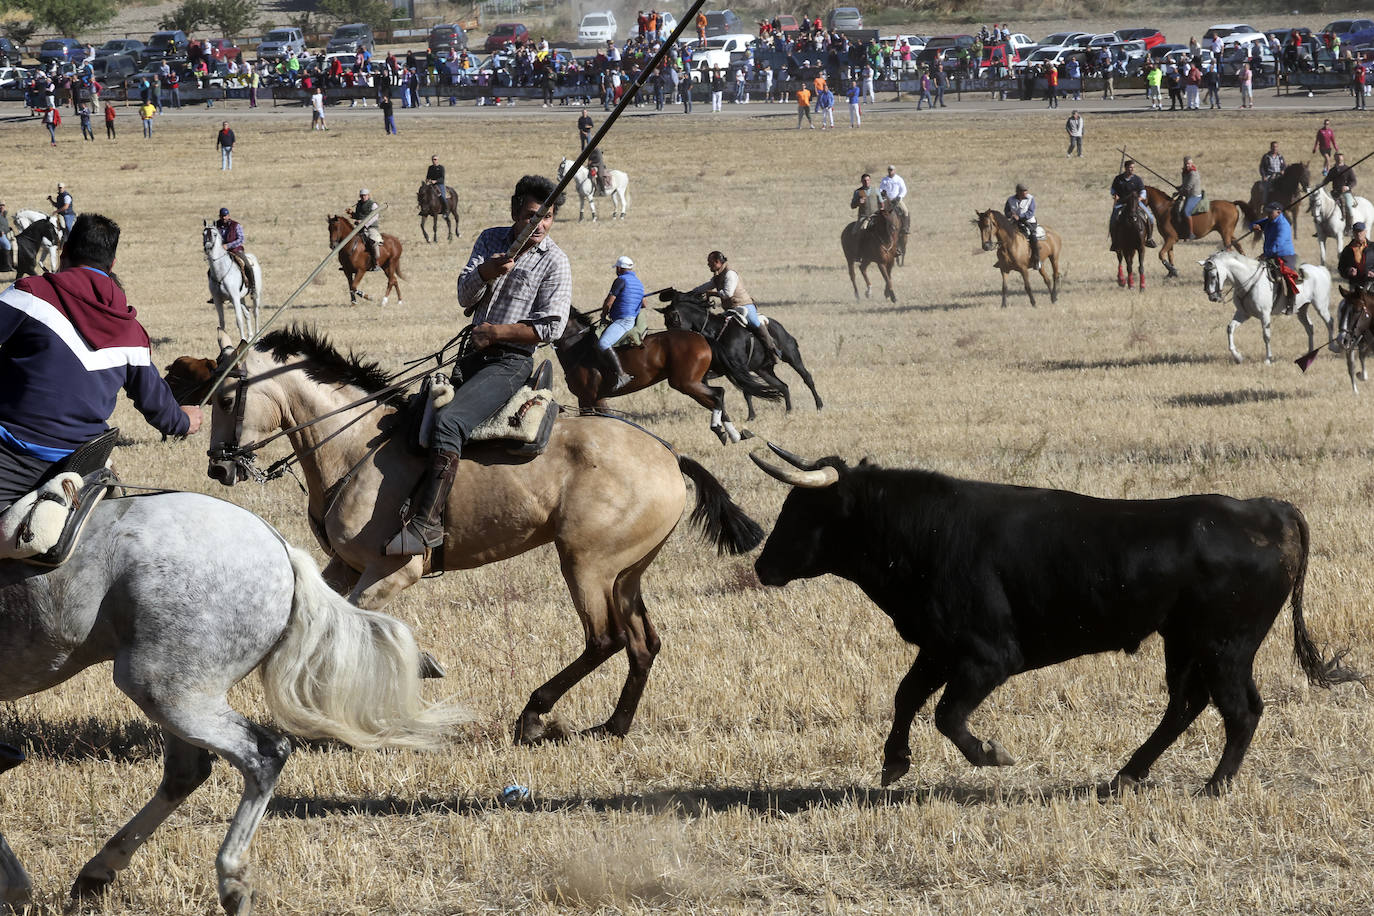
<point>69,341</point>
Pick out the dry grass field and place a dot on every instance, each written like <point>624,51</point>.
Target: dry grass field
<point>750,780</point>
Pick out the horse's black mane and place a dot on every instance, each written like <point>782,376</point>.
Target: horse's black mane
<point>324,363</point>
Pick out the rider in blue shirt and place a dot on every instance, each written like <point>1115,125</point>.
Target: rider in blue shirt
<point>1278,247</point>
<point>622,307</point>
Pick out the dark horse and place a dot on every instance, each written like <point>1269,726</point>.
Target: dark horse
<point>997,232</point>
<point>880,244</point>
<point>29,244</point>
<point>1286,189</point>
<point>1222,217</point>
<point>353,259</point>
<point>1128,232</point>
<point>735,345</point>
<point>432,205</point>
<point>682,358</point>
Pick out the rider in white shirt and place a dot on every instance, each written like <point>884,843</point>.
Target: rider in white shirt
<point>893,189</point>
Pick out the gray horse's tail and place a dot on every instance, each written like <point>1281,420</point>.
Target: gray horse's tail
<point>353,675</point>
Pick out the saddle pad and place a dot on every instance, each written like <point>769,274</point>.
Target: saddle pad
<point>523,426</point>
<point>44,526</point>
<point>634,337</point>
<point>1039,232</point>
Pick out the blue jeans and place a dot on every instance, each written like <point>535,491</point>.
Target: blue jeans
<point>5,244</point>
<point>69,219</point>
<point>1190,203</point>
<point>614,331</point>
<point>751,314</point>
<point>226,157</point>
<point>147,127</point>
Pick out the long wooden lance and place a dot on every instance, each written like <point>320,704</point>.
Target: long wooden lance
<point>517,247</point>
<point>1122,150</point>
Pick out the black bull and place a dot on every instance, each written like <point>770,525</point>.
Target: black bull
<point>992,580</point>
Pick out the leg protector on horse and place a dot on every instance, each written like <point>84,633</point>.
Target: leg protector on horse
<point>610,366</point>
<point>423,525</point>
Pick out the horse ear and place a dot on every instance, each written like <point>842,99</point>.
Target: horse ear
<point>224,340</point>
<point>1345,293</point>
<point>1202,263</point>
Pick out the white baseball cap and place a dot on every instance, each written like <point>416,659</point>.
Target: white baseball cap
<point>625,263</point>
<point>363,191</point>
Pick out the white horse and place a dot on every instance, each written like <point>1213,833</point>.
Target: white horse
<point>49,250</point>
<point>188,595</point>
<point>227,283</point>
<point>1254,295</point>
<point>1330,220</point>
<point>620,190</point>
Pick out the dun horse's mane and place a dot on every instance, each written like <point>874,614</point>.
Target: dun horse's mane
<point>324,363</point>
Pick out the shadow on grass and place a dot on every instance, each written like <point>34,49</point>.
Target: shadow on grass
<point>76,740</point>
<point>1232,398</point>
<point>1126,362</point>
<point>898,309</point>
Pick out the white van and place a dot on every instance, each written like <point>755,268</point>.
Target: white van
<point>597,28</point>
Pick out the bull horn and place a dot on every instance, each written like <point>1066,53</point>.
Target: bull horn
<point>816,479</point>
<point>796,461</point>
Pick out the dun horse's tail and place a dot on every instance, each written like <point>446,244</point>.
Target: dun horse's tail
<point>345,673</point>
<point>718,516</point>
<point>1320,670</point>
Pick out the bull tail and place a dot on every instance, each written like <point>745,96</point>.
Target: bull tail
<point>1320,670</point>
<point>719,517</point>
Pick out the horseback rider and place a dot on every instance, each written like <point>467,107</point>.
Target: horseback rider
<point>1020,209</point>
<point>435,175</point>
<point>893,190</point>
<point>866,200</point>
<point>726,286</point>
<point>518,305</point>
<point>621,308</point>
<point>1342,177</point>
<point>1188,196</point>
<point>69,341</point>
<point>599,174</point>
<point>366,208</point>
<point>1356,265</point>
<point>231,234</point>
<point>62,207</point>
<point>1125,185</point>
<point>1278,249</point>
<point>1271,166</point>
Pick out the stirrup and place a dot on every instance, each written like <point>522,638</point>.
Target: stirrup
<point>414,539</point>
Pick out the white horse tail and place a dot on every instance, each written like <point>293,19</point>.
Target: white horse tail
<point>345,673</point>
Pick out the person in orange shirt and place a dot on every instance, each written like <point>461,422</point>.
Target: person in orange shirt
<point>804,107</point>
<point>817,86</point>
<point>701,26</point>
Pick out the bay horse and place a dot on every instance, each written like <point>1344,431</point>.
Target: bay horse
<point>188,595</point>
<point>353,259</point>
<point>606,494</point>
<point>433,206</point>
<point>1354,320</point>
<point>1286,188</point>
<point>734,347</point>
<point>1013,252</point>
<point>1253,293</point>
<point>1222,217</point>
<point>880,243</point>
<point>682,358</point>
<point>1128,234</point>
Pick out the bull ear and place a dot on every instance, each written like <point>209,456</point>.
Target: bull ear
<point>816,479</point>
<point>667,295</point>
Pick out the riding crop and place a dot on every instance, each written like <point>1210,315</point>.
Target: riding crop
<point>571,172</point>
<point>225,370</point>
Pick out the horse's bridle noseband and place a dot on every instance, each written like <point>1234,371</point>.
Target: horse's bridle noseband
<point>230,462</point>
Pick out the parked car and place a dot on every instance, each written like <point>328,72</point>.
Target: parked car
<point>787,24</point>
<point>720,51</point>
<point>503,33</point>
<point>597,28</point>
<point>1285,36</point>
<point>129,46</point>
<point>1136,53</point>
<point>14,77</point>
<point>667,22</point>
<point>1102,40</point>
<point>723,22</point>
<point>448,38</point>
<point>1063,39</point>
<point>279,43</point>
<point>221,49</point>
<point>1183,58</point>
<point>1260,55</point>
<point>349,37</point>
<point>59,51</point>
<point>1159,52</point>
<point>1022,42</point>
<point>914,42</point>
<point>1351,31</point>
<point>846,19</point>
<point>113,69</point>
<point>1045,56</point>
<point>170,43</point>
<point>1151,37</point>
<point>10,54</point>
<point>1227,28</point>
<point>949,44</point>
<point>998,54</point>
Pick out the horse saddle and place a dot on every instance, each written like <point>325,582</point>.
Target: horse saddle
<point>44,526</point>
<point>1039,232</point>
<point>522,426</point>
<point>634,337</point>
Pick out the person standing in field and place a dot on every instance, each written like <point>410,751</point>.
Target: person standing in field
<point>388,115</point>
<point>84,113</point>
<point>317,110</point>
<point>1247,86</point>
<point>146,112</point>
<point>584,128</point>
<point>50,120</point>
<point>224,142</point>
<point>804,107</point>
<point>1074,128</point>
<point>827,109</point>
<point>856,95</point>
<point>109,121</point>
<point>1325,144</point>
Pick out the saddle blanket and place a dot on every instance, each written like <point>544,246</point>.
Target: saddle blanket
<point>524,424</point>
<point>34,524</point>
<point>634,337</point>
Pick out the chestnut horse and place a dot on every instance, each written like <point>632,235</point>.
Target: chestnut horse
<point>681,357</point>
<point>880,243</point>
<point>1128,236</point>
<point>1013,252</point>
<point>353,259</point>
<point>1222,217</point>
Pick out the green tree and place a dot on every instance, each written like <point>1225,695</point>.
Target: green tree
<point>233,16</point>
<point>376,13</point>
<point>191,15</point>
<point>70,17</point>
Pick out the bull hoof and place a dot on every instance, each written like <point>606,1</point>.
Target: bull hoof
<point>90,884</point>
<point>894,770</point>
<point>996,756</point>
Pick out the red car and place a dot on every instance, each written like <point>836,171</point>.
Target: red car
<point>788,24</point>
<point>1151,37</point>
<point>504,32</point>
<point>220,49</point>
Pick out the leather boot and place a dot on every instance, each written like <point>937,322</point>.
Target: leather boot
<point>611,368</point>
<point>6,264</point>
<point>766,338</point>
<point>1149,234</point>
<point>1035,252</point>
<point>372,253</point>
<point>424,521</point>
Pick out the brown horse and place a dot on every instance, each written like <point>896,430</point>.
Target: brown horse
<point>1013,252</point>
<point>1128,233</point>
<point>680,357</point>
<point>1286,189</point>
<point>353,259</point>
<point>1223,217</point>
<point>432,205</point>
<point>879,244</point>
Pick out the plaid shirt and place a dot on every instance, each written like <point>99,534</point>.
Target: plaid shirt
<point>537,292</point>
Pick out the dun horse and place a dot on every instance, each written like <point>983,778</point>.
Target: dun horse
<point>604,493</point>
<point>880,243</point>
<point>353,260</point>
<point>433,205</point>
<point>1013,252</point>
<point>1128,234</point>
<point>682,358</point>
<point>1222,217</point>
